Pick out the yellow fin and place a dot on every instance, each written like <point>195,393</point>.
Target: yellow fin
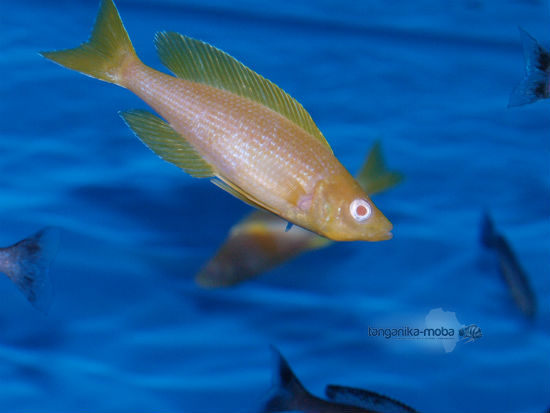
<point>374,175</point>
<point>104,54</point>
<point>159,136</point>
<point>237,192</point>
<point>197,61</point>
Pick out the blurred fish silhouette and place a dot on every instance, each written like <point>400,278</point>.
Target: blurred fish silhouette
<point>288,394</point>
<point>225,122</point>
<point>27,264</point>
<point>470,333</point>
<point>535,84</point>
<point>261,241</point>
<point>514,276</point>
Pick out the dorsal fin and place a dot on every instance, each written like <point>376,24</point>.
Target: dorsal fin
<point>197,61</point>
<point>287,393</point>
<point>159,136</point>
<point>374,175</point>
<point>239,193</point>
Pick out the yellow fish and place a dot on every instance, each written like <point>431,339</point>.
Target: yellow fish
<point>261,241</point>
<point>223,121</point>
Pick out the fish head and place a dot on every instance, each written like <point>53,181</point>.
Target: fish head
<point>343,212</point>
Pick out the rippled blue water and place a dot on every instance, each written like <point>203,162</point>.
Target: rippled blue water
<point>130,331</point>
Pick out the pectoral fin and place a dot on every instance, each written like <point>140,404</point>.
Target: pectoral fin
<point>159,136</point>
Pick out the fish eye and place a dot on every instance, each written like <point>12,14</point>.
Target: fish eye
<point>360,209</point>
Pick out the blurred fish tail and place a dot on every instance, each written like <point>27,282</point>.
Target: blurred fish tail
<point>374,176</point>
<point>510,268</point>
<point>488,231</point>
<point>287,389</point>
<point>535,83</point>
<point>27,265</point>
<point>107,51</point>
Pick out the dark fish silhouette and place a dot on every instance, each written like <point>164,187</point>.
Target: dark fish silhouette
<point>535,84</point>
<point>288,394</point>
<point>510,268</point>
<point>368,399</point>
<point>27,263</point>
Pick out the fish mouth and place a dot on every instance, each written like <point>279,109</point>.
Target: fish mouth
<point>383,236</point>
<point>382,231</point>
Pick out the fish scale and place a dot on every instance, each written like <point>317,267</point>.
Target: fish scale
<point>235,140</point>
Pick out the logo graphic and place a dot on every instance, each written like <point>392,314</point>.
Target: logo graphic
<point>470,333</point>
<point>440,326</point>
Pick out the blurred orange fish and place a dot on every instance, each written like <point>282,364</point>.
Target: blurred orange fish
<point>261,241</point>
<point>223,121</point>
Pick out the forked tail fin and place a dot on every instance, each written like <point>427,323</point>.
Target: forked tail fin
<point>105,53</point>
<point>535,84</point>
<point>27,265</point>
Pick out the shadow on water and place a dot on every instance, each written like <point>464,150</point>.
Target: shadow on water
<point>169,213</point>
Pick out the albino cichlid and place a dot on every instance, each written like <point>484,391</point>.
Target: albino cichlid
<point>261,240</point>
<point>220,120</point>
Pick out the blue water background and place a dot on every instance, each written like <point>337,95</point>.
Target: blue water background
<point>130,331</point>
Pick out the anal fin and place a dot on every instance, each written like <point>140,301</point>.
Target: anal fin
<point>159,136</point>
<point>239,193</point>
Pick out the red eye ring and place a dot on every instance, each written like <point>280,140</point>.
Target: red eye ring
<point>360,209</point>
